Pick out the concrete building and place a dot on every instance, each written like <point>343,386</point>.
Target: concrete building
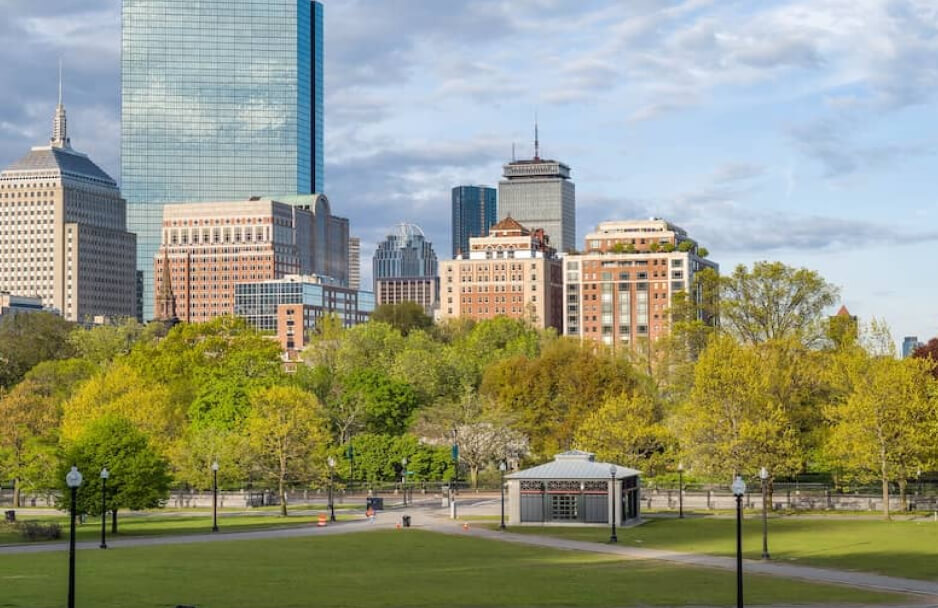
<point>405,269</point>
<point>909,345</point>
<point>538,193</point>
<point>354,262</point>
<point>211,247</point>
<point>63,232</point>
<point>574,489</point>
<point>621,288</point>
<point>512,272</point>
<point>292,306</point>
<point>11,304</point>
<point>221,100</point>
<point>474,212</point>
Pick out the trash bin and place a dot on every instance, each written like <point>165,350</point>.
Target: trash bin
<point>9,516</point>
<point>405,521</point>
<point>375,503</point>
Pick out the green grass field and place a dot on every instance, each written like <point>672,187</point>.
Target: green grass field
<point>899,548</point>
<point>154,524</point>
<point>383,569</point>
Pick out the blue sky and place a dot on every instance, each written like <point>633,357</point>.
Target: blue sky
<point>798,130</point>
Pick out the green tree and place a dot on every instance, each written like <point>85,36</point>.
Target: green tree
<point>386,404</point>
<point>139,475</point>
<point>404,317</point>
<point>884,427</point>
<point>105,342</point>
<point>29,421</point>
<point>732,423</point>
<point>775,301</point>
<point>629,430</point>
<point>287,432</point>
<point>27,339</point>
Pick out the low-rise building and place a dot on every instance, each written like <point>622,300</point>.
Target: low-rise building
<point>292,306</point>
<point>512,272</point>
<point>621,288</point>
<point>12,304</point>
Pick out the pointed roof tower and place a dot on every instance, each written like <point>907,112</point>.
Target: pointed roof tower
<point>166,301</point>
<point>59,122</point>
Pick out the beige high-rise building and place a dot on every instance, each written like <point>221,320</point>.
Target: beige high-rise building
<point>210,247</point>
<point>512,272</point>
<point>63,234</point>
<point>621,288</point>
<point>354,263</point>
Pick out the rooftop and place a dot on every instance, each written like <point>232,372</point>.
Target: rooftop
<point>63,161</point>
<point>574,464</point>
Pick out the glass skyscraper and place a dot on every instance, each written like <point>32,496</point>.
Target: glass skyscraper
<point>474,212</point>
<point>221,100</point>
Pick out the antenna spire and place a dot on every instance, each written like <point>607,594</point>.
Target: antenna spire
<point>59,121</point>
<point>60,81</point>
<point>537,143</point>
<point>513,159</point>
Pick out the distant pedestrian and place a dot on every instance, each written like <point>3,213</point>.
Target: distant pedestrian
<point>370,514</point>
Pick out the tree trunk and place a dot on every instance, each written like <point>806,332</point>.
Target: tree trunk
<point>281,490</point>
<point>882,469</point>
<point>16,493</point>
<point>903,496</point>
<point>113,521</point>
<point>474,476</point>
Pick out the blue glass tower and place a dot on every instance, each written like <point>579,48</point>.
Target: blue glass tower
<point>474,212</point>
<point>220,100</point>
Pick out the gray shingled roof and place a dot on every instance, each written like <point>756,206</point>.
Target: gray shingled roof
<point>574,464</point>
<point>67,161</point>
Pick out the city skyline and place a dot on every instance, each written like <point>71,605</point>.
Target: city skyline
<point>771,133</point>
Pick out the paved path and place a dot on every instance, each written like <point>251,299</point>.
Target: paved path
<point>807,573</point>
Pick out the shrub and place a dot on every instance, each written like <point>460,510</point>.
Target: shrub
<point>35,530</point>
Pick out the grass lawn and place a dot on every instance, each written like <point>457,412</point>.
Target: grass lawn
<point>153,524</point>
<point>383,569</point>
<point>899,548</point>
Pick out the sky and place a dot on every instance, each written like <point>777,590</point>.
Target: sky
<point>802,131</point>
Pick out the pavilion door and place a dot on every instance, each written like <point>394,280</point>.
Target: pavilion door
<point>596,508</point>
<point>532,507</point>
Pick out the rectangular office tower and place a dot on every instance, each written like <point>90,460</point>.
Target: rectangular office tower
<point>221,100</point>
<point>474,213</point>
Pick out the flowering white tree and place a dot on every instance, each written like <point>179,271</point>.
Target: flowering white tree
<point>481,443</point>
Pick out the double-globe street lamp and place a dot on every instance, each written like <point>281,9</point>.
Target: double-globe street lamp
<point>502,466</point>
<point>72,480</point>
<point>612,498</point>
<point>739,490</point>
<point>215,496</point>
<point>104,476</point>
<point>331,463</point>
<point>764,476</point>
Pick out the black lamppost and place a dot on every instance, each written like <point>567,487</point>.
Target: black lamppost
<point>452,490</point>
<point>72,480</point>
<point>764,476</point>
<point>331,463</point>
<point>680,490</point>
<point>501,468</point>
<point>104,476</point>
<point>612,498</point>
<point>739,489</point>
<point>404,479</point>
<point>215,496</point>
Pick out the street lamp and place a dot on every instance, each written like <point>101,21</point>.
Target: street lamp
<point>215,496</point>
<point>612,498</point>
<point>72,480</point>
<point>764,476</point>
<point>104,476</point>
<point>680,490</point>
<point>331,462</point>
<point>404,478</point>
<point>502,466</point>
<point>739,489</point>
<point>452,490</point>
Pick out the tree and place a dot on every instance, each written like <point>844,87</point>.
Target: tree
<point>383,405</point>
<point>482,443</point>
<point>885,425</point>
<point>139,475</point>
<point>105,342</point>
<point>732,423</point>
<point>774,301</point>
<point>405,316</point>
<point>30,421</point>
<point>629,430</point>
<point>929,352</point>
<point>286,431</point>
<point>27,339</point>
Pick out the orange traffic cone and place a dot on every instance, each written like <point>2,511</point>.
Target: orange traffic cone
<point>322,520</point>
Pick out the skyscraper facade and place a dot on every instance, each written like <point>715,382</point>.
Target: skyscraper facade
<point>63,232</point>
<point>405,269</point>
<point>474,212</point>
<point>220,100</point>
<point>538,193</point>
<point>354,262</point>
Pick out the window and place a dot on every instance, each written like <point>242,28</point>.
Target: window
<point>563,507</point>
